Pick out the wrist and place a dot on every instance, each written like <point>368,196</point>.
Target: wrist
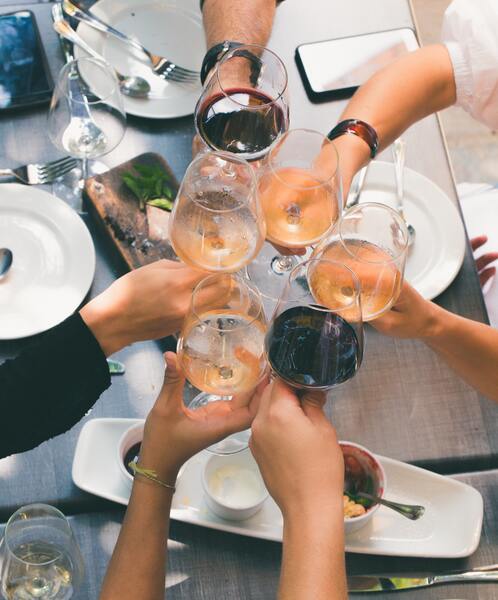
<point>353,155</point>
<point>434,322</point>
<point>104,325</point>
<point>314,510</point>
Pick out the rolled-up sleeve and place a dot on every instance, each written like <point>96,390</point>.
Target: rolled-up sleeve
<point>470,33</point>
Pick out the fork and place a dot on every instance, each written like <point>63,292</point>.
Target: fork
<point>161,66</point>
<point>41,173</point>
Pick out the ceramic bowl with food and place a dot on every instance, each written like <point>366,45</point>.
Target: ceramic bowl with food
<point>129,448</point>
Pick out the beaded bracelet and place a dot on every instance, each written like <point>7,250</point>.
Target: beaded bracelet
<point>149,474</point>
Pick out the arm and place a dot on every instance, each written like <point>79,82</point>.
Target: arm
<point>468,347</point>
<point>229,19</point>
<point>416,85</point>
<point>52,384</point>
<point>301,462</point>
<point>172,435</point>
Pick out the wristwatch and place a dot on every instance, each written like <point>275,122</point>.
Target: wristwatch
<point>214,55</point>
<point>357,127</point>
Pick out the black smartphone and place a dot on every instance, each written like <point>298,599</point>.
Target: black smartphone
<point>334,69</point>
<point>24,74</point>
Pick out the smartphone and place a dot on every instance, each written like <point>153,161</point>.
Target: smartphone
<point>334,69</point>
<point>24,75</point>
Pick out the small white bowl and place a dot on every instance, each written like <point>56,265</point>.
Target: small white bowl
<point>233,486</point>
<point>133,435</point>
<point>368,461</point>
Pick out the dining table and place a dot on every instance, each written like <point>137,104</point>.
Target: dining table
<point>405,402</point>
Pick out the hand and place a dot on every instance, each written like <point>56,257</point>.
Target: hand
<point>148,303</point>
<point>483,261</point>
<point>411,317</point>
<point>173,433</point>
<point>297,452</point>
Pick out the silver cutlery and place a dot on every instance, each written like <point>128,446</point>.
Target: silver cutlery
<point>41,173</point>
<point>380,583</point>
<point>133,86</point>
<point>5,261</point>
<point>399,149</point>
<point>161,66</point>
<point>360,182</point>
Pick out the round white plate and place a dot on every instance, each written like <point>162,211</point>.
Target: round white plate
<point>53,261</point>
<point>439,248</point>
<point>170,28</point>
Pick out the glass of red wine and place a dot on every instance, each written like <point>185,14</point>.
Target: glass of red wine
<point>243,108</point>
<point>310,346</point>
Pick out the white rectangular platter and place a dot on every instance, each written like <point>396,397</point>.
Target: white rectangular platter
<point>450,527</point>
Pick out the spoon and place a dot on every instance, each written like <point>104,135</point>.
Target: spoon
<point>132,85</point>
<point>5,261</point>
<point>352,485</point>
<point>399,148</point>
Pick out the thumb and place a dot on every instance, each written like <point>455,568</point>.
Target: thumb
<point>174,380</point>
<point>312,405</point>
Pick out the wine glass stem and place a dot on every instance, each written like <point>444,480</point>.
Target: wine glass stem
<point>84,171</point>
<point>282,264</point>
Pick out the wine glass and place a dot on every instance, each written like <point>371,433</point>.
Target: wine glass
<point>372,240</point>
<point>216,223</point>
<point>40,557</point>
<point>86,119</point>
<point>311,346</point>
<point>243,107</point>
<point>301,196</point>
<point>221,345</point>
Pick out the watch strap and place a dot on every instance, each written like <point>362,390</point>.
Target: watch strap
<point>359,128</point>
<point>214,54</point>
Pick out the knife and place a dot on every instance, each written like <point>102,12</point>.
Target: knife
<point>386,583</point>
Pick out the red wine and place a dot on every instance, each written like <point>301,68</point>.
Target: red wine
<point>246,122</point>
<point>132,456</point>
<point>313,349</point>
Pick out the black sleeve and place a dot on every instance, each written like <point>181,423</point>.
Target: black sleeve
<point>50,386</point>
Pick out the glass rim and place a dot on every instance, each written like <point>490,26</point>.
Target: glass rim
<point>39,505</point>
<point>356,298</point>
<point>98,62</point>
<point>228,158</point>
<point>282,139</point>
<point>239,280</point>
<point>394,214</point>
<point>228,55</point>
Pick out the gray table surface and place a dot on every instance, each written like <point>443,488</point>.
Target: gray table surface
<point>205,564</point>
<point>405,403</point>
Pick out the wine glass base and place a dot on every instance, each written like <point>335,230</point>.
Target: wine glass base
<point>69,187</point>
<point>233,443</point>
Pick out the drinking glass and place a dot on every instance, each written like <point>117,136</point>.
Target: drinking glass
<point>221,345</point>
<point>217,223</point>
<point>243,107</point>
<point>86,119</point>
<point>311,346</point>
<point>40,557</point>
<point>372,240</point>
<point>301,196</point>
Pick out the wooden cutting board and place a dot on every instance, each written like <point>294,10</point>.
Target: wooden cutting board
<point>140,237</point>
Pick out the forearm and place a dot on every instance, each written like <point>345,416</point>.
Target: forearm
<point>313,556</point>
<point>470,348</point>
<point>230,19</point>
<point>137,569</point>
<point>416,85</point>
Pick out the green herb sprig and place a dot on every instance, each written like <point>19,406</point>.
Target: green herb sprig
<point>151,185</point>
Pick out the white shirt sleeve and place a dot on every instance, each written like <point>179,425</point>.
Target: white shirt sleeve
<point>470,33</point>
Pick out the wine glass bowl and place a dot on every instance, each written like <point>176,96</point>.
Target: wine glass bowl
<point>372,240</point>
<point>243,108</point>
<point>311,346</point>
<point>217,223</point>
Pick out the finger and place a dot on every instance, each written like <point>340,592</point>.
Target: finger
<point>174,381</point>
<point>280,398</point>
<point>486,275</point>
<point>313,411</point>
<point>478,241</point>
<point>251,398</point>
<point>486,259</point>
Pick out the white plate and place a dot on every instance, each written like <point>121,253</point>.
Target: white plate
<point>53,261</point>
<point>437,254</point>
<point>170,28</point>
<point>441,533</point>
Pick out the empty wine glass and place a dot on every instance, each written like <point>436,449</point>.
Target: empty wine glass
<point>243,107</point>
<point>301,196</point>
<point>311,346</point>
<point>86,119</point>
<point>372,240</point>
<point>221,345</point>
<point>216,223</point>
<point>40,557</point>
